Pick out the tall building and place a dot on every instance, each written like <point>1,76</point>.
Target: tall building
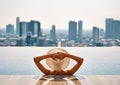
<point>53,33</point>
<point>101,33</point>
<point>95,35</point>
<point>17,25</point>
<point>116,29</point>
<point>41,41</point>
<point>112,29</point>
<point>20,42</point>
<point>72,34</point>
<point>23,29</point>
<point>39,30</point>
<point>29,40</point>
<point>109,28</point>
<point>80,31</point>
<point>10,28</point>
<point>35,28</point>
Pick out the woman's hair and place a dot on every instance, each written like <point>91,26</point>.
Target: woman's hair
<point>55,50</point>
<point>57,65</point>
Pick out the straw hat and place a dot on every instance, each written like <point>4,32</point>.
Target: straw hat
<point>59,64</point>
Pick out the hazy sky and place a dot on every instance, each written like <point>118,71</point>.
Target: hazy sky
<point>59,12</point>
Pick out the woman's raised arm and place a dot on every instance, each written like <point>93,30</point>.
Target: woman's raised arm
<point>40,66</point>
<point>76,58</point>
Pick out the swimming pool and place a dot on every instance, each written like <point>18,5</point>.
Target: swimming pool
<point>97,60</point>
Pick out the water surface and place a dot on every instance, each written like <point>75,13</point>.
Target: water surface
<point>97,60</point>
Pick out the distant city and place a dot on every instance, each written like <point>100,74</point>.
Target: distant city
<point>32,34</point>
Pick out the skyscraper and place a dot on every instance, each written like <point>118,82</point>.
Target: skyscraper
<point>109,28</point>
<point>53,33</point>
<point>101,33</point>
<point>10,28</point>
<point>20,42</point>
<point>80,30</point>
<point>35,28</point>
<point>95,35</point>
<point>72,34</point>
<point>116,29</point>
<point>17,25</point>
<point>23,29</point>
<point>112,29</point>
<point>39,30</point>
<point>41,41</point>
<point>29,40</point>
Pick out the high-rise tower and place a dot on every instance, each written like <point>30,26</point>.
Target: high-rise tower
<point>72,34</point>
<point>80,31</point>
<point>53,33</point>
<point>35,28</point>
<point>109,28</point>
<point>112,29</point>
<point>23,29</point>
<point>95,35</point>
<point>10,28</point>
<point>17,25</point>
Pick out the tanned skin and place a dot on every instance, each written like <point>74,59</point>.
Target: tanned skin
<point>61,56</point>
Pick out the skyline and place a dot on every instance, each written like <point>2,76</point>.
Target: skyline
<point>31,34</point>
<point>59,13</point>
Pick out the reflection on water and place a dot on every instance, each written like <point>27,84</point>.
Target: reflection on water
<point>58,80</point>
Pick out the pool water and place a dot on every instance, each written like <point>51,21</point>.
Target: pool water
<point>97,60</point>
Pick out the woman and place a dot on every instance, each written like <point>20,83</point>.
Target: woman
<point>58,60</point>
